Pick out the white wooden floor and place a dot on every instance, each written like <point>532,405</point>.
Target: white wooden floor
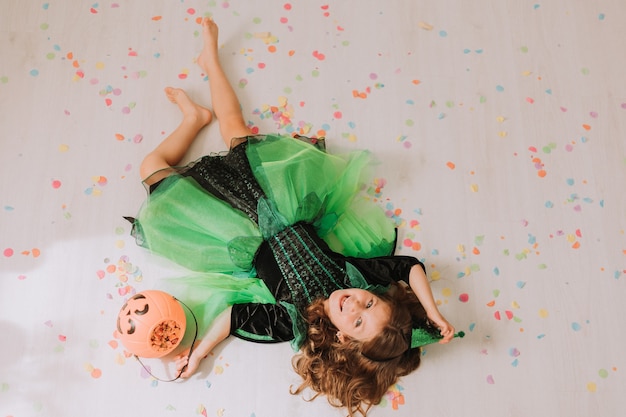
<point>501,131</point>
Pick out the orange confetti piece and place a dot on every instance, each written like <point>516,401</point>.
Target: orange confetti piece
<point>542,173</point>
<point>113,344</point>
<point>157,18</point>
<point>69,55</point>
<point>416,246</point>
<point>530,100</point>
<point>36,252</point>
<point>416,82</point>
<point>292,52</point>
<point>271,48</point>
<point>576,245</point>
<point>119,137</point>
<point>75,64</point>
<point>451,165</point>
<point>586,127</point>
<point>96,373</point>
<point>491,303</point>
<point>476,251</point>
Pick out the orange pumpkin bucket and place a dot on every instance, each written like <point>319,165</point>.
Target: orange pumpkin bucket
<point>151,324</point>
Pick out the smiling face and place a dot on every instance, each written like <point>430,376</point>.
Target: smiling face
<point>357,313</point>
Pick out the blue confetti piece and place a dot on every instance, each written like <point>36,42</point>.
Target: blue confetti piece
<point>460,275</point>
<point>434,252</point>
<point>8,208</point>
<point>520,284</point>
<point>34,72</point>
<point>496,271</point>
<point>617,274</point>
<point>576,327</point>
<point>541,336</point>
<point>531,239</point>
<point>601,16</point>
<point>352,125</point>
<point>467,51</point>
<point>602,203</point>
<point>570,181</point>
<point>515,363</point>
<point>499,88</point>
<point>443,33</point>
<point>472,326</point>
<point>549,204</point>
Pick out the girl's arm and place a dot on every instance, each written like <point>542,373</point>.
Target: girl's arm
<point>420,286</point>
<point>219,330</point>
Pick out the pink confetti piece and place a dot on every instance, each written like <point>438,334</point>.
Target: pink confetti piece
<point>56,184</point>
<point>8,252</point>
<point>464,298</point>
<point>62,338</point>
<point>490,380</point>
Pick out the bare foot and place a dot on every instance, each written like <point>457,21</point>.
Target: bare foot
<point>191,110</point>
<point>209,50</point>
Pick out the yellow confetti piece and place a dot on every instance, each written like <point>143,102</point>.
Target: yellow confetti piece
<point>514,304</point>
<point>571,238</point>
<point>120,244</point>
<point>503,134</point>
<point>218,370</point>
<point>592,387</point>
<point>526,73</point>
<point>474,188</point>
<point>543,313</point>
<point>425,26</point>
<point>446,292</point>
<point>500,119</point>
<point>88,367</point>
<point>435,275</point>
<point>220,412</point>
<point>99,65</point>
<point>64,148</point>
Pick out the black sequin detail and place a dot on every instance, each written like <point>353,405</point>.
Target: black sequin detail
<point>229,178</point>
<point>308,271</point>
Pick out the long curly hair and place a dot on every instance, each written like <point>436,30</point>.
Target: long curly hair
<point>356,374</point>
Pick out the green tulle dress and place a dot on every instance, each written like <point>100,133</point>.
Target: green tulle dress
<point>193,227</point>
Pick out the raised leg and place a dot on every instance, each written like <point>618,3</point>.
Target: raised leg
<point>173,148</point>
<point>225,102</point>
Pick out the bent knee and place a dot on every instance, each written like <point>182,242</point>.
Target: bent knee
<point>152,163</point>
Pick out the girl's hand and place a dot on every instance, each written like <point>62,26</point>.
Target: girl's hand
<point>189,365</point>
<point>445,328</point>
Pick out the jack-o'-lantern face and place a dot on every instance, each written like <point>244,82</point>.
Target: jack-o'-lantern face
<point>151,324</point>
<point>136,306</point>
